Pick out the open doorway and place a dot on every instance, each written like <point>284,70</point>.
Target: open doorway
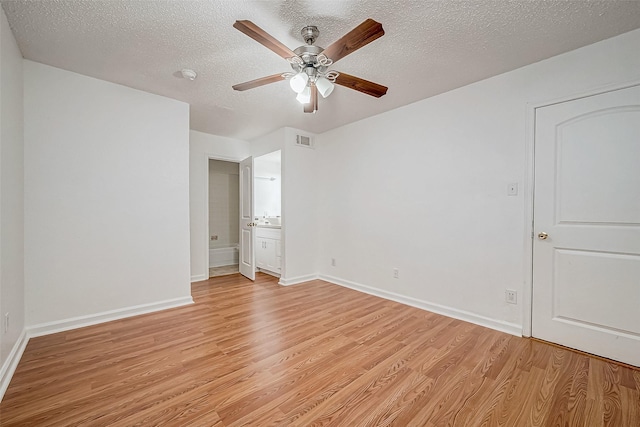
<point>223,209</point>
<point>267,191</point>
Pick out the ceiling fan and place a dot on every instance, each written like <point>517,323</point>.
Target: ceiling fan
<point>310,63</point>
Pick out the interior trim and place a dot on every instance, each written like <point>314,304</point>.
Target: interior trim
<point>499,325</point>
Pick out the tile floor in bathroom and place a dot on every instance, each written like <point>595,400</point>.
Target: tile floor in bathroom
<point>223,271</point>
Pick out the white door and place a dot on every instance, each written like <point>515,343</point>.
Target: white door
<point>586,252</point>
<point>247,226</point>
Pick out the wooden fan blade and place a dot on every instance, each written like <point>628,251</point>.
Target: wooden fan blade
<point>262,37</point>
<point>360,36</point>
<point>361,85</point>
<point>258,82</point>
<point>312,106</point>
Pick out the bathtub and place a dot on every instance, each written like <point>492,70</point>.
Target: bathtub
<point>223,255</point>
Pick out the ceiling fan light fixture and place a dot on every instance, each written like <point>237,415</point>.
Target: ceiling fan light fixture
<point>325,87</point>
<point>304,97</point>
<point>310,63</point>
<point>299,82</point>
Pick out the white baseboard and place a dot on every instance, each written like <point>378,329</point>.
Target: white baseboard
<point>499,325</point>
<point>295,280</point>
<point>199,277</point>
<point>9,366</point>
<point>106,316</point>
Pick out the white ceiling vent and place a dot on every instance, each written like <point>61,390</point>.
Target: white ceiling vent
<point>304,141</point>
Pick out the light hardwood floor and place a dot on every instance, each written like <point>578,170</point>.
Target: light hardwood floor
<point>314,354</point>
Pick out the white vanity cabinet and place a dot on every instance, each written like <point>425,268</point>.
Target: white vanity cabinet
<point>268,249</point>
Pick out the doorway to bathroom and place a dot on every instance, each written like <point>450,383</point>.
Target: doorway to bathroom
<point>224,201</point>
<point>267,191</point>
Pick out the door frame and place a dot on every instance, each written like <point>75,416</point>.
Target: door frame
<point>206,237</point>
<point>529,188</point>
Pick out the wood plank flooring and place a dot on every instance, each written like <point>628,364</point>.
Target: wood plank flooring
<point>258,354</point>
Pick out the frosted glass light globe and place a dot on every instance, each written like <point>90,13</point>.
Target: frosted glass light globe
<point>304,97</point>
<point>325,87</point>
<point>299,82</point>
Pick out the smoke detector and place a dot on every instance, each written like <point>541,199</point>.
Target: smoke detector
<point>189,74</point>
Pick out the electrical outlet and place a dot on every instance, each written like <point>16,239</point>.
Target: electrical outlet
<point>396,273</point>
<point>511,296</point>
<point>333,262</point>
<point>214,237</point>
<point>6,322</point>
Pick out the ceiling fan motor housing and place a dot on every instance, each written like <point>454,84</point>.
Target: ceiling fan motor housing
<point>308,54</point>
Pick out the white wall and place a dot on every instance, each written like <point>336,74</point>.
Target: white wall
<point>203,146</point>
<point>11,201</point>
<point>423,188</point>
<point>269,143</point>
<point>106,197</point>
<point>300,180</point>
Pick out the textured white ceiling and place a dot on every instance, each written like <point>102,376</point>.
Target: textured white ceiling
<point>429,47</point>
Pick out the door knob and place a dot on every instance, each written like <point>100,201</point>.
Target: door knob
<point>542,235</point>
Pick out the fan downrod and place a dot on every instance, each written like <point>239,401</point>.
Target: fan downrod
<point>310,33</point>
